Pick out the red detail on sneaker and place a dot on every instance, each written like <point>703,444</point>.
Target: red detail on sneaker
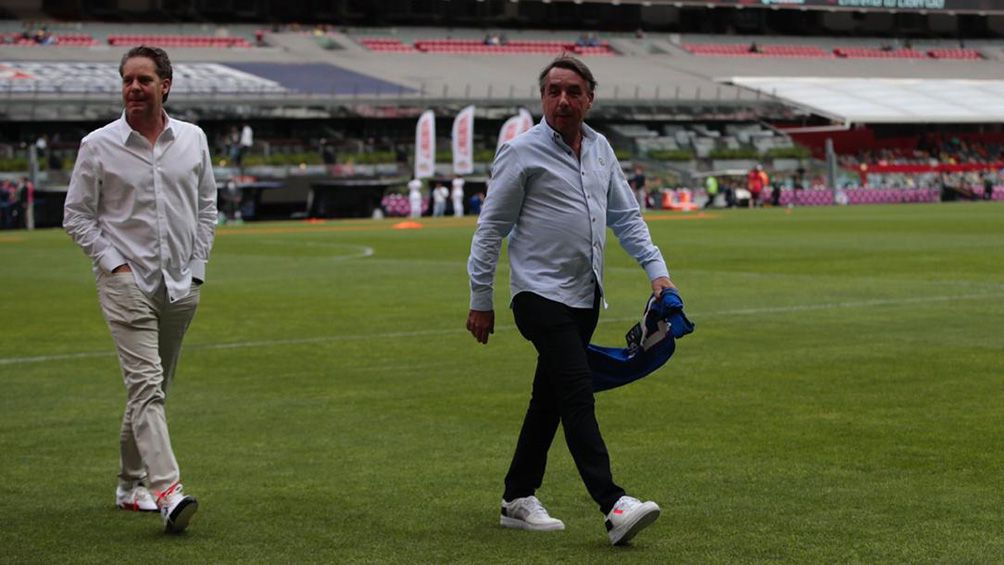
<point>618,511</point>
<point>166,493</point>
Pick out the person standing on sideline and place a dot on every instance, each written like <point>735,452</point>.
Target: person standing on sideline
<point>142,206</point>
<point>553,192</point>
<point>246,142</point>
<point>711,187</point>
<point>439,196</point>
<point>457,195</point>
<point>415,197</point>
<point>638,184</point>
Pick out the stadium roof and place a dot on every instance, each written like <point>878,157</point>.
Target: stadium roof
<point>877,100</point>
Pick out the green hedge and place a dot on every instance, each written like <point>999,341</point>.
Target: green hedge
<point>16,165</point>
<point>742,153</point>
<point>672,155</point>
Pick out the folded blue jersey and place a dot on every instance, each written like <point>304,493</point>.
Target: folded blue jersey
<point>650,344</point>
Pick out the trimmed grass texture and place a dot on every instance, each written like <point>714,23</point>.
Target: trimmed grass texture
<point>842,399</point>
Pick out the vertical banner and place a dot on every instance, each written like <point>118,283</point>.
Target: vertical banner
<point>526,120</point>
<point>425,145</point>
<point>509,131</point>
<point>463,142</point>
<point>514,126</point>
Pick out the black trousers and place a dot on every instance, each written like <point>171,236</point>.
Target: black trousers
<point>562,392</point>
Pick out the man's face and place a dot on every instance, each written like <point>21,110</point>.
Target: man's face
<point>566,98</point>
<point>142,90</point>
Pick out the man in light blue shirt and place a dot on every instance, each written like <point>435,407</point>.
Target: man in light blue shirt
<point>553,192</point>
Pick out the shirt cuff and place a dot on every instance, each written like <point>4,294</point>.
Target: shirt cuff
<point>111,259</point>
<point>656,269</point>
<point>482,300</point>
<point>198,269</point>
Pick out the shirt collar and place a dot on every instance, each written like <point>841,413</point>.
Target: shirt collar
<point>125,130</point>
<point>588,133</point>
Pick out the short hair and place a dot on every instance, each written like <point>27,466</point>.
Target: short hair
<point>571,63</point>
<point>161,62</point>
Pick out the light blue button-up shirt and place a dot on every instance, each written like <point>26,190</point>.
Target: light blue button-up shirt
<point>555,210</point>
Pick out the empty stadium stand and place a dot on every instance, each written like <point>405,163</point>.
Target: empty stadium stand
<point>128,40</point>
<point>387,45</point>
<point>519,47</point>
<point>744,50</point>
<point>878,53</point>
<point>963,54</point>
<point>61,40</point>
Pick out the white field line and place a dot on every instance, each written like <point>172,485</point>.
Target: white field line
<point>420,333</point>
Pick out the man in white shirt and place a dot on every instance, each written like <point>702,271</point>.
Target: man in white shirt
<point>142,206</point>
<point>457,195</point>
<point>439,196</point>
<point>415,197</point>
<point>246,142</point>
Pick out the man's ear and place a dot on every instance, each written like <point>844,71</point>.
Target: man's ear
<point>165,87</point>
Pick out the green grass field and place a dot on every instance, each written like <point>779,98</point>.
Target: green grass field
<point>842,399</point>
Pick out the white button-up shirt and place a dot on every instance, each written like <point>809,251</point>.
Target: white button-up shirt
<point>152,207</point>
<point>555,209</point>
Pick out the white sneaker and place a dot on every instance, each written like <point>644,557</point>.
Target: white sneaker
<point>528,513</point>
<point>628,517</point>
<point>136,499</point>
<point>176,509</point>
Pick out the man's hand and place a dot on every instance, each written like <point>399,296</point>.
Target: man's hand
<point>481,324</point>
<point>661,283</point>
<point>123,268</point>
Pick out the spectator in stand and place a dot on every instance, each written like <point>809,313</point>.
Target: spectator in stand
<point>988,186</point>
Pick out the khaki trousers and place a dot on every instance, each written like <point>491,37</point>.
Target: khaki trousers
<point>148,331</point>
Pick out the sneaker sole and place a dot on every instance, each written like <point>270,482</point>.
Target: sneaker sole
<point>182,516</point>
<point>135,508</point>
<point>517,524</point>
<point>627,531</point>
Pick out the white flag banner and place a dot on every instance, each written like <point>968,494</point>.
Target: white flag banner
<point>425,145</point>
<point>510,129</point>
<point>527,120</point>
<point>514,126</point>
<point>463,142</point>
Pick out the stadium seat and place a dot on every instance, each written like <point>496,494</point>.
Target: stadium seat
<point>964,54</point>
<point>120,40</point>
<point>743,50</point>
<point>877,53</point>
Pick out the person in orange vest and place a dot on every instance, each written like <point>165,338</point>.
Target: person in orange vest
<point>756,180</point>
